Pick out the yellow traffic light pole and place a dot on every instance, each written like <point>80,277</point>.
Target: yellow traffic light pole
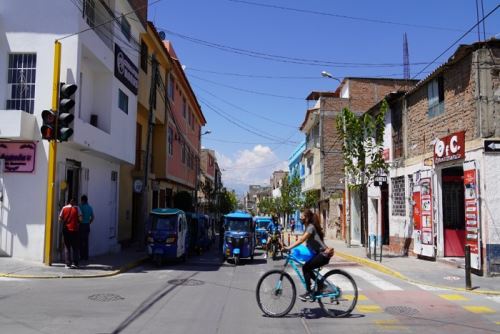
<point>51,174</point>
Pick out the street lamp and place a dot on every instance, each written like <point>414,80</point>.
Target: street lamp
<point>325,74</point>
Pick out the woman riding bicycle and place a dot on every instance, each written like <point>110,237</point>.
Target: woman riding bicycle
<point>314,238</point>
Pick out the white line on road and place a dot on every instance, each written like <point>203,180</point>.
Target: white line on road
<point>374,280</point>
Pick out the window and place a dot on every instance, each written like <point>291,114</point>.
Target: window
<point>170,139</point>
<point>184,108</point>
<point>125,26</point>
<point>21,81</point>
<point>398,196</point>
<point>183,157</point>
<point>190,114</point>
<point>144,57</point>
<point>89,10</point>
<point>170,87</point>
<point>435,95</point>
<point>122,101</point>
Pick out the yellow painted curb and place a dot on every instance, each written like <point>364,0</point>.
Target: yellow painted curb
<point>388,271</point>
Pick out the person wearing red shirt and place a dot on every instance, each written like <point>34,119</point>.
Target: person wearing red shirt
<point>70,217</point>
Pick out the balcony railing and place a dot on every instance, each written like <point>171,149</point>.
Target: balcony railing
<point>100,18</point>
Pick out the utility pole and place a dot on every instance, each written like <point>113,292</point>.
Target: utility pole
<point>147,160</point>
<point>51,169</point>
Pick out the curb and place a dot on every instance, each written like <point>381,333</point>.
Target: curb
<point>388,271</point>
<point>120,270</point>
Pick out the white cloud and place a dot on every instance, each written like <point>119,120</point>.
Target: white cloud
<point>248,167</point>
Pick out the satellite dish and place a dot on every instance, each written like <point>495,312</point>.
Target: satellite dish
<point>162,35</point>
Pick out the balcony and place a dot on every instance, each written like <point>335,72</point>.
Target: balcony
<point>96,13</point>
<point>17,124</point>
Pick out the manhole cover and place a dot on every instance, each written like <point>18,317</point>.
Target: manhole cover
<point>105,297</point>
<point>401,310</point>
<point>186,281</point>
<point>452,278</point>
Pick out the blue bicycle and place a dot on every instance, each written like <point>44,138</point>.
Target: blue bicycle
<point>335,291</point>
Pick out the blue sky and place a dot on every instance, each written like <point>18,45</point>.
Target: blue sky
<point>252,63</point>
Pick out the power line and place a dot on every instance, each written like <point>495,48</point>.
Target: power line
<point>365,19</point>
<point>247,90</point>
<point>282,59</point>
<point>109,21</point>
<point>458,40</point>
<point>244,142</point>
<point>246,111</point>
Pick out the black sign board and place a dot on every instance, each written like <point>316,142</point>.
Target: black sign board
<point>379,180</point>
<point>126,71</point>
<point>492,146</point>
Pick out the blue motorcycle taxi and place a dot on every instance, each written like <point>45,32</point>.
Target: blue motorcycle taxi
<point>167,235</point>
<point>261,233</point>
<point>239,239</point>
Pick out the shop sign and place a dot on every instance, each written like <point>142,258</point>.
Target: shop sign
<point>19,157</point>
<point>385,154</point>
<point>126,71</point>
<point>426,212</point>
<point>472,221</point>
<point>379,180</point>
<point>449,148</point>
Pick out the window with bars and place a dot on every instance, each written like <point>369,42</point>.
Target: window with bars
<point>21,78</point>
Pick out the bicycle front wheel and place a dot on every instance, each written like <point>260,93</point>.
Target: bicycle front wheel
<point>276,293</point>
<point>339,293</point>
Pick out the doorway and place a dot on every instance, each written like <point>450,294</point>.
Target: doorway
<point>453,211</point>
<point>384,190</point>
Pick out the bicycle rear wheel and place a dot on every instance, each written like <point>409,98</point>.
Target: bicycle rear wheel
<point>275,293</point>
<point>339,294</point>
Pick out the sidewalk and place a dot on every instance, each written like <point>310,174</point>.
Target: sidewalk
<point>443,273</point>
<point>99,266</point>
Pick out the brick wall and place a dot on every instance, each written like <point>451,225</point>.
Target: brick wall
<point>459,110</point>
<point>365,93</point>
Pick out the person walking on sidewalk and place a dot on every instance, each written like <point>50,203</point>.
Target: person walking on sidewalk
<point>292,225</point>
<point>71,216</point>
<point>87,219</point>
<point>314,238</point>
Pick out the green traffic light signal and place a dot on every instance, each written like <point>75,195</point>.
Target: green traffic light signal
<point>66,104</point>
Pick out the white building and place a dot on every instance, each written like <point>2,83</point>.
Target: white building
<point>103,63</point>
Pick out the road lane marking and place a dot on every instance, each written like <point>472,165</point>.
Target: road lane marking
<point>394,325</point>
<point>479,309</point>
<point>454,297</point>
<point>369,308</point>
<point>375,280</point>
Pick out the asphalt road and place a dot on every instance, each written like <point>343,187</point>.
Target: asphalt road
<point>205,296</point>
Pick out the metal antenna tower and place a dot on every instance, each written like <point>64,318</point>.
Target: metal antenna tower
<point>406,59</point>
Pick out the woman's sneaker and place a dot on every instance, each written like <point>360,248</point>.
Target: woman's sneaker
<point>306,297</point>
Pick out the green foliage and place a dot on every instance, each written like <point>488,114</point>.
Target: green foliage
<point>362,150</point>
<point>291,195</point>
<point>266,206</point>
<point>184,201</point>
<point>227,201</point>
<point>311,199</point>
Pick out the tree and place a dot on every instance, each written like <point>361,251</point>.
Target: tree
<point>228,201</point>
<point>291,196</point>
<point>362,152</point>
<point>311,199</point>
<point>266,206</point>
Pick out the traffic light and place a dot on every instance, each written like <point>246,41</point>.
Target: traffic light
<point>48,128</point>
<point>65,117</point>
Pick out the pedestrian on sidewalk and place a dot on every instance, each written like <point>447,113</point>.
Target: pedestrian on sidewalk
<point>87,219</point>
<point>70,217</point>
<point>292,225</point>
<point>314,238</point>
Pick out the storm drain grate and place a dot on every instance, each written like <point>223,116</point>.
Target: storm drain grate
<point>106,297</point>
<point>402,310</point>
<point>186,282</point>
